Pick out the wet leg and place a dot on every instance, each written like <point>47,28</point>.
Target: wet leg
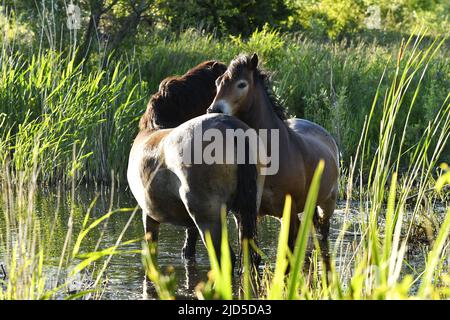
<point>188,252</point>
<point>324,229</point>
<point>151,228</point>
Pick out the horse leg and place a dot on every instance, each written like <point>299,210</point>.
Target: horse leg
<point>324,228</point>
<point>192,277</point>
<point>293,227</point>
<point>206,215</point>
<point>151,228</point>
<point>215,230</point>
<point>188,252</point>
<point>240,238</point>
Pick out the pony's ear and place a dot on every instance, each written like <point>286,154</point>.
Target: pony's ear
<point>254,61</point>
<point>218,67</point>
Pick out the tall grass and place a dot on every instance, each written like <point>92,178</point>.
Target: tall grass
<point>377,267</point>
<point>51,256</point>
<point>48,105</point>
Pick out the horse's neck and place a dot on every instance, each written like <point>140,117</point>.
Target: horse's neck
<point>263,116</point>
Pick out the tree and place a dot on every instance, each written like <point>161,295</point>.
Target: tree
<point>224,16</point>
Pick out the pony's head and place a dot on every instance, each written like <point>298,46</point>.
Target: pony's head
<point>237,88</point>
<point>182,98</point>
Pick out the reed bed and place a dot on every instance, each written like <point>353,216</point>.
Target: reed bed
<point>50,255</point>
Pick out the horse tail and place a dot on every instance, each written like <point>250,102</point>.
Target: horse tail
<point>245,202</point>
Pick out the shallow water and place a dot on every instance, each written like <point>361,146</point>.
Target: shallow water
<point>125,274</point>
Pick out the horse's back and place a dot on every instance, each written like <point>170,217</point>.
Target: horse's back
<point>303,126</point>
<point>318,144</point>
<point>313,132</point>
<point>181,146</point>
<point>205,187</point>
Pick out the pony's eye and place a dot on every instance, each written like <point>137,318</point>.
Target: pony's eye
<point>242,85</point>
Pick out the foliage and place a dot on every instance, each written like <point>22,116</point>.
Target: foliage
<point>329,18</point>
<point>52,107</point>
<point>115,24</point>
<point>11,29</point>
<point>230,16</point>
<point>338,18</point>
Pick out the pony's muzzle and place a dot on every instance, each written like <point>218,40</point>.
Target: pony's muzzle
<point>220,106</point>
<point>214,109</point>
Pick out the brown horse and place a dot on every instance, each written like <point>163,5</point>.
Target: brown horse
<point>182,98</point>
<point>243,92</point>
<point>191,195</point>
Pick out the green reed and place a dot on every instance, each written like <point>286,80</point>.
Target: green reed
<point>49,106</point>
<point>43,255</point>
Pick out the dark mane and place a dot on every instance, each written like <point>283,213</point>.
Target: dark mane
<point>181,98</point>
<point>243,61</point>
